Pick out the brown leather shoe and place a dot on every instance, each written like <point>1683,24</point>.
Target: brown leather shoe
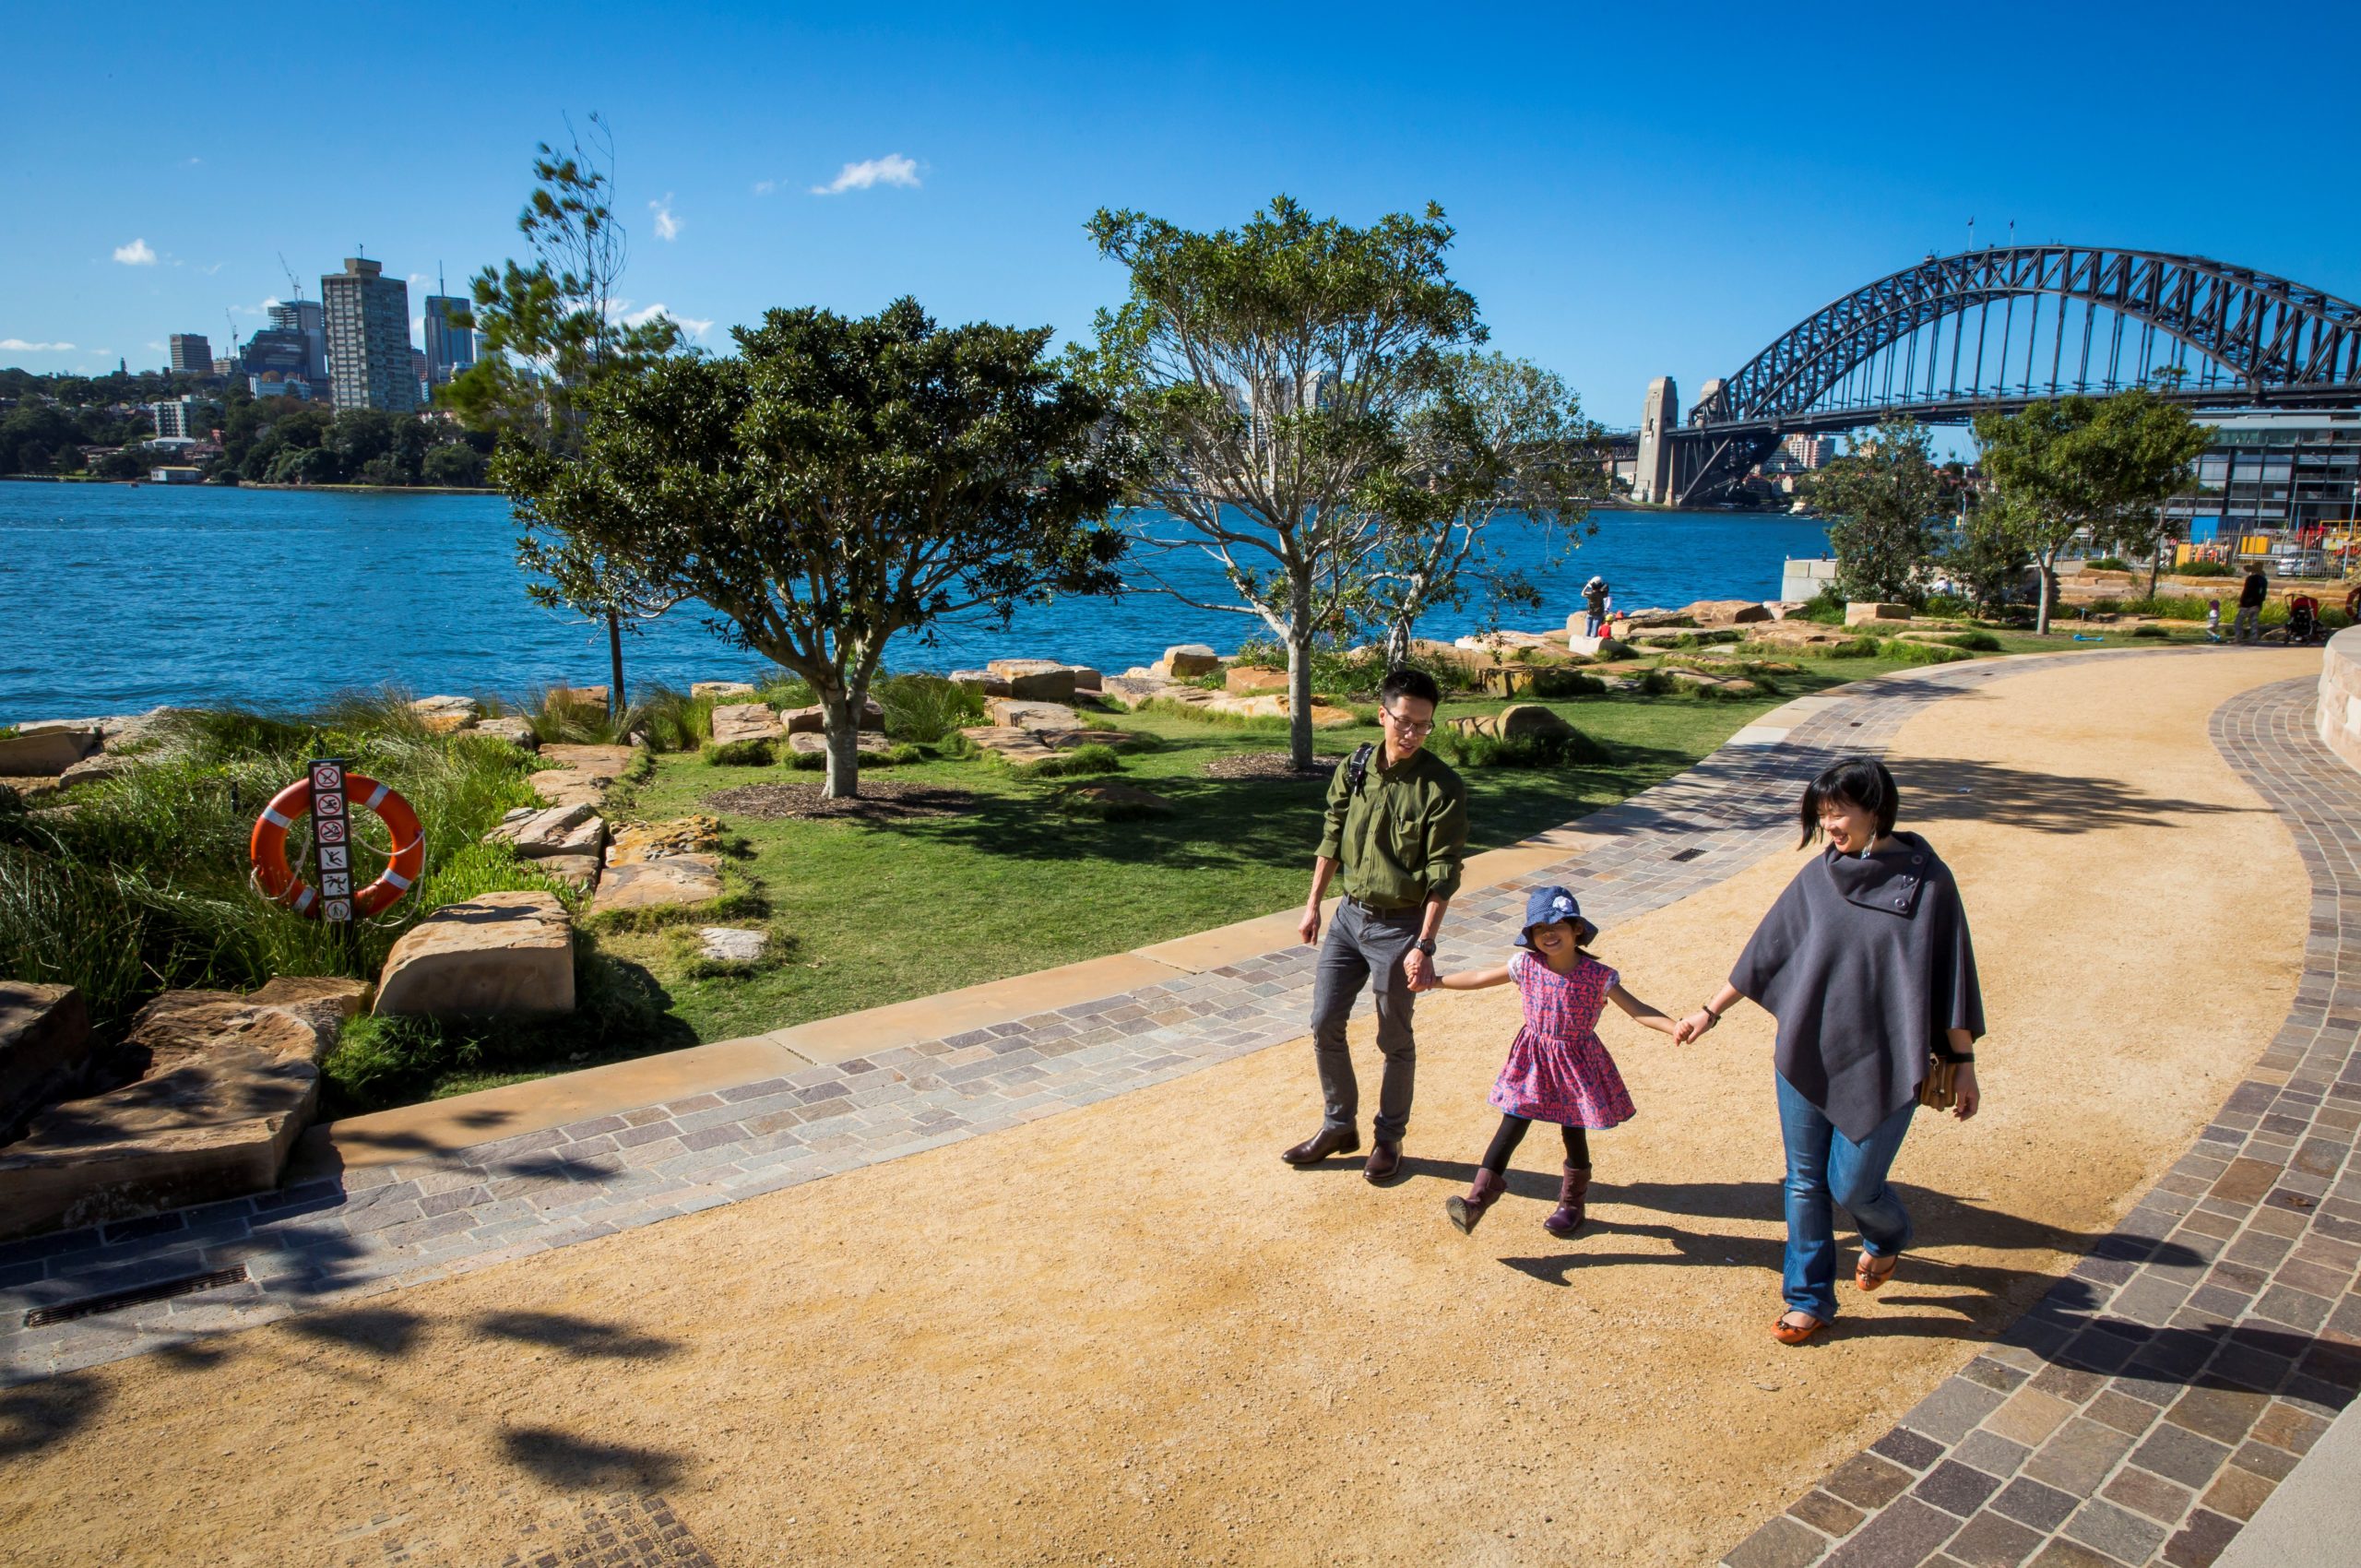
<point>1321,1143</point>
<point>1384,1163</point>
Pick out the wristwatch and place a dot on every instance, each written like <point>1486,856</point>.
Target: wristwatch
<point>1425,944</point>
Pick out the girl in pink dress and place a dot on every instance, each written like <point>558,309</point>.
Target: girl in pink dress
<point>1557,1071</point>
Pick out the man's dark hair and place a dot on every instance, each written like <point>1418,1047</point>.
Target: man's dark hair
<point>1407,682</point>
<point>1862,782</point>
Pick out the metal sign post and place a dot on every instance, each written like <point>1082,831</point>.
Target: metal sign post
<point>332,839</point>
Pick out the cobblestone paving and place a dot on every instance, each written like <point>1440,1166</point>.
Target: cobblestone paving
<point>370,1230</point>
<point>2144,1409</point>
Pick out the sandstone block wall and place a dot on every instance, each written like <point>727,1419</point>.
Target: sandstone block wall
<point>2339,706</point>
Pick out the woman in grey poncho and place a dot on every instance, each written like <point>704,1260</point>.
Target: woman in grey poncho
<point>1865,961</point>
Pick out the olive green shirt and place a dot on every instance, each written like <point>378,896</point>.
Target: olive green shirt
<point>1400,840</point>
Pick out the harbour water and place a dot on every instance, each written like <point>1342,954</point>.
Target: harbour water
<point>115,598</point>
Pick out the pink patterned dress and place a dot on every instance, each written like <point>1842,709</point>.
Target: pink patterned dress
<point>1558,1070</point>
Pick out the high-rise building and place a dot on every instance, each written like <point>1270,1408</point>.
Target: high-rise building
<point>1811,451</point>
<point>191,354</point>
<point>307,317</point>
<point>368,329</point>
<point>449,348</point>
<point>176,419</point>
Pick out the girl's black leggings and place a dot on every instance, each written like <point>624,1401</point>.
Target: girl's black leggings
<point>1512,1133</point>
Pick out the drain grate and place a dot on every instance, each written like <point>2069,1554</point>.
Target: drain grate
<point>115,1301</point>
<point>1689,854</point>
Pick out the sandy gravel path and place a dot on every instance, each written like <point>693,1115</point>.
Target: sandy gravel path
<point>1128,1335</point>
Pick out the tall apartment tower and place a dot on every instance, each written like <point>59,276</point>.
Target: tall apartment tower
<point>449,348</point>
<point>1652,480</point>
<point>191,354</point>
<point>368,330</point>
<point>307,317</point>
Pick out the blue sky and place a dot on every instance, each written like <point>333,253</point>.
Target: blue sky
<point>1639,190</point>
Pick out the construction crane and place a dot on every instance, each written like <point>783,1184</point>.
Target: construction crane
<point>293,281</point>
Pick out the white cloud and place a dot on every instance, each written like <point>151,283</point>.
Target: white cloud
<point>157,347</point>
<point>668,227</point>
<point>19,346</point>
<point>891,169</point>
<point>262,309</point>
<point>687,323</point>
<point>210,272</point>
<point>194,161</point>
<point>765,187</point>
<point>136,254</point>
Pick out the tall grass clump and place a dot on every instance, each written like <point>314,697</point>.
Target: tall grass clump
<point>926,707</point>
<point>1081,761</point>
<point>1906,651</point>
<point>1974,642</point>
<point>673,720</point>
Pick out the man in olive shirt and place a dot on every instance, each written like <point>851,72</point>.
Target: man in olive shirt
<point>1396,828</point>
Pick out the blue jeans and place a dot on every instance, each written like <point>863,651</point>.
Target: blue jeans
<point>1823,1164</point>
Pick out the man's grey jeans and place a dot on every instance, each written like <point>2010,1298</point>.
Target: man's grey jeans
<point>1364,947</point>
<point>2247,627</point>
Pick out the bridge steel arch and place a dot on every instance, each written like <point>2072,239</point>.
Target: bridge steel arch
<point>2269,341</point>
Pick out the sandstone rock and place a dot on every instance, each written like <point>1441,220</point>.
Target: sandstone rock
<point>869,741</point>
<point>1013,713</point>
<point>96,769</point>
<point>1020,748</point>
<point>603,763</point>
<point>575,697</point>
<point>1246,680</point>
<point>1494,641</point>
<point>576,871</point>
<point>1608,647</point>
<point>564,787</point>
<point>1693,677</point>
<point>637,841</point>
<point>1144,686</point>
<point>1114,798</point>
<point>718,689</point>
<point>1036,680</point>
<point>1782,608</point>
<point>813,721</point>
<point>1276,705</point>
<point>1188,661</point>
<point>443,714</point>
<point>728,944</point>
<point>509,954</point>
<point>1726,612</point>
<point>230,1082</point>
<point>557,830</point>
<point>1518,721</point>
<point>46,752</point>
<point>44,1045</point>
<point>1860,612</point>
<point>518,732</point>
<point>1085,679</point>
<point>676,882</point>
<point>744,721</point>
<point>983,682</point>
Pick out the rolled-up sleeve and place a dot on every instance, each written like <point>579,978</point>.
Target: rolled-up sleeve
<point>1332,830</point>
<point>1446,843</point>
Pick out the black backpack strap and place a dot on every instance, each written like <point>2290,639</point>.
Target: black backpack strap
<point>1357,768</point>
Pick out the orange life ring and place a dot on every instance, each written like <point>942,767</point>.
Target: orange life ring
<point>279,882</point>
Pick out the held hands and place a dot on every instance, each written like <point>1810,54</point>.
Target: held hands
<point>1419,970</point>
<point>1691,1027</point>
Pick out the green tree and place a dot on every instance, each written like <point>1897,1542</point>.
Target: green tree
<point>1884,497</point>
<point>1271,372</point>
<point>455,464</point>
<point>1498,438</point>
<point>1988,559</point>
<point>2078,463</point>
<point>840,481</point>
<point>551,332</point>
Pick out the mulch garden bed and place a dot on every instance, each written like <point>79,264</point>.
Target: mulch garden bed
<point>1268,765</point>
<point>879,800</point>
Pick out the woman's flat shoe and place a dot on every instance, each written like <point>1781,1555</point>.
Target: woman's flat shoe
<point>1869,1278</point>
<point>1787,1333</point>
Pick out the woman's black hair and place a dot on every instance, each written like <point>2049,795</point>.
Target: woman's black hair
<point>1860,781</point>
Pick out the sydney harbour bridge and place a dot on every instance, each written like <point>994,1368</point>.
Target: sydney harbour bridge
<point>2000,329</point>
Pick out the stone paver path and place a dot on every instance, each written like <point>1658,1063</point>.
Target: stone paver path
<point>2151,1401</point>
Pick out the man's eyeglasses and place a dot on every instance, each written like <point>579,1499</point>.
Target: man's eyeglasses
<point>1408,725</point>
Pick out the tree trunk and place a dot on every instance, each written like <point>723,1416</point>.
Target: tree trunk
<point>840,726</point>
<point>2156,558</point>
<point>1397,645</point>
<point>615,666</point>
<point>1299,631</point>
<point>2048,584</point>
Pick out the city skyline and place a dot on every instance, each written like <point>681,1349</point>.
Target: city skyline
<point>1613,228</point>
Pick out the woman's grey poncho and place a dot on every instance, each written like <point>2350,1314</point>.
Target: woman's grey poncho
<point>1865,963</point>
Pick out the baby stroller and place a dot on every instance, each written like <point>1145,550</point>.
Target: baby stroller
<point>2304,626</point>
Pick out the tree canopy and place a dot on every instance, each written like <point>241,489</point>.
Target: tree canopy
<point>841,481</point>
<point>1882,497</point>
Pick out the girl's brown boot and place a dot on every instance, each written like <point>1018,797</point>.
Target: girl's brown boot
<point>1573,1187</point>
<point>1482,1194</point>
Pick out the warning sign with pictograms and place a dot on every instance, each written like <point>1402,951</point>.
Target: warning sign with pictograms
<point>332,833</point>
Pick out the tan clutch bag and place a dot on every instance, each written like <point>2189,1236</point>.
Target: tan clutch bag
<point>1936,1090</point>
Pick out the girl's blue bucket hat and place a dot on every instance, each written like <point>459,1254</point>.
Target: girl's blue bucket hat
<point>1547,905</point>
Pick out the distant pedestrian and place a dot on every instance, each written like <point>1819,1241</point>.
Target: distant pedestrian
<point>2212,620</point>
<point>2249,625</point>
<point>1595,600</point>
<point>1558,1069</point>
<point>1396,828</point>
